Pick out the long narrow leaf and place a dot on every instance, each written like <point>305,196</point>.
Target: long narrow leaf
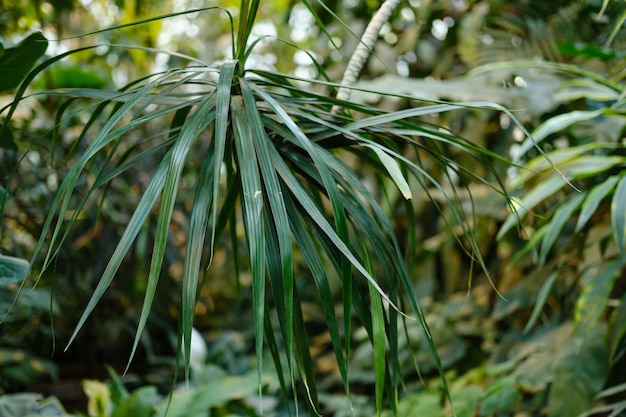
<point>618,217</point>
<point>561,216</point>
<point>593,200</point>
<point>222,108</point>
<point>253,218</point>
<point>135,224</point>
<point>273,194</point>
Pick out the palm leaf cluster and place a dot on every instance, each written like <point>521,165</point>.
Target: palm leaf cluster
<point>268,157</point>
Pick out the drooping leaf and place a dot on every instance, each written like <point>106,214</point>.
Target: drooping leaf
<point>560,218</point>
<point>534,197</point>
<point>254,221</point>
<point>618,217</point>
<point>379,336</point>
<point>593,200</point>
<point>555,124</point>
<point>393,170</point>
<point>542,296</point>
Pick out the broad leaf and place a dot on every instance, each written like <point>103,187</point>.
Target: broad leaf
<point>18,60</point>
<point>580,372</point>
<point>12,269</point>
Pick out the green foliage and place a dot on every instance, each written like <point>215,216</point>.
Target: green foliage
<point>12,270</point>
<point>15,63</point>
<point>30,405</point>
<point>213,393</point>
<point>19,368</point>
<point>373,207</point>
<point>268,159</point>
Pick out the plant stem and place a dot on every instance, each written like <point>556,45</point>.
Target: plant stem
<point>363,51</point>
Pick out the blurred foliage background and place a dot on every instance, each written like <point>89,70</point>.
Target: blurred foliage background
<point>543,334</point>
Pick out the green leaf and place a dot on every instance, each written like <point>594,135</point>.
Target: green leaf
<point>254,221</point>
<point>312,257</point>
<point>590,165</point>
<point>542,191</point>
<point>140,403</point>
<point>593,200</point>
<point>18,60</point>
<point>3,197</point>
<point>378,338</point>
<point>393,169</point>
<point>274,195</point>
<point>618,217</point>
<point>147,202</point>
<point>542,296</point>
<point>592,301</point>
<point>74,77</point>
<point>616,329</point>
<point>560,218</point>
<point>12,269</point>
<point>500,397</point>
<point>580,372</point>
<point>198,401</point>
<point>553,125</point>
<point>6,141</point>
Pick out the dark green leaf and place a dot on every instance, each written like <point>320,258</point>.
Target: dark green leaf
<point>595,196</point>
<point>6,140</point>
<point>542,296</point>
<point>592,302</point>
<point>580,372</point>
<point>618,217</point>
<point>254,221</point>
<point>18,60</point>
<point>500,397</point>
<point>617,329</point>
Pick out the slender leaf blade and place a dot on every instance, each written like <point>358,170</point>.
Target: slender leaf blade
<point>560,218</point>
<point>253,217</point>
<point>618,217</point>
<point>592,202</point>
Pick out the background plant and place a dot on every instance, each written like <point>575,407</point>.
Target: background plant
<point>482,333</point>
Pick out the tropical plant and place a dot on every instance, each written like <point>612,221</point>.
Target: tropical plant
<point>268,159</point>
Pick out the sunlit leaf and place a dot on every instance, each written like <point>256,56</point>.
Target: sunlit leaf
<point>393,169</point>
